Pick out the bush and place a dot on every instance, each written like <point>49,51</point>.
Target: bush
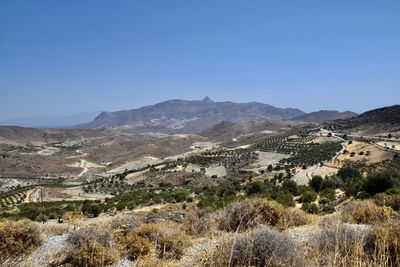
<point>316,183</point>
<point>341,243</point>
<point>291,186</point>
<point>392,201</point>
<point>379,182</point>
<point>92,247</point>
<point>239,216</point>
<point>308,196</point>
<point>196,222</point>
<point>310,208</point>
<point>260,247</point>
<point>386,243</point>
<point>136,246</point>
<point>169,239</point>
<point>284,198</point>
<point>91,210</point>
<point>255,188</point>
<point>328,193</point>
<point>347,173</point>
<point>365,212</point>
<point>296,217</point>
<point>17,240</point>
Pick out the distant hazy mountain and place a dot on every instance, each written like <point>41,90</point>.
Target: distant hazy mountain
<point>52,122</point>
<point>189,116</point>
<point>17,134</point>
<point>325,115</point>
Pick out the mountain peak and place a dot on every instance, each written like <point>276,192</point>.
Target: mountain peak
<point>207,100</point>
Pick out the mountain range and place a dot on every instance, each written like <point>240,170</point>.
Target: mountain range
<point>52,122</point>
<point>189,116</point>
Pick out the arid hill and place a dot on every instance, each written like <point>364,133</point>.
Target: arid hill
<point>379,120</point>
<point>325,115</point>
<point>22,135</point>
<point>178,116</point>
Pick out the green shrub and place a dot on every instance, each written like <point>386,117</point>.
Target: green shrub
<point>308,196</point>
<point>380,182</point>
<point>255,188</point>
<point>316,183</point>
<point>291,186</point>
<point>328,193</point>
<point>346,173</point>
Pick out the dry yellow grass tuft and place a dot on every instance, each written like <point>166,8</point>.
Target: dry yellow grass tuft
<point>392,201</point>
<point>136,246</point>
<point>92,247</point>
<point>17,240</point>
<point>387,243</point>
<point>365,212</point>
<point>249,213</point>
<point>259,247</point>
<point>169,239</point>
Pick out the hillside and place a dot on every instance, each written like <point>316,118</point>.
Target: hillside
<point>23,135</point>
<point>324,115</point>
<point>226,130</point>
<point>378,120</point>
<point>189,116</point>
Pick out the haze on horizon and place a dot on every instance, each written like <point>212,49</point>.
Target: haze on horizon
<point>65,57</point>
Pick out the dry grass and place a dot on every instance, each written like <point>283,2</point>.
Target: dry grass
<point>197,222</point>
<point>169,239</point>
<point>247,214</point>
<point>296,217</point>
<point>340,245</point>
<point>386,245</point>
<point>54,229</point>
<point>137,246</point>
<point>259,247</point>
<point>149,261</point>
<point>392,201</point>
<point>92,247</point>
<point>17,240</point>
<point>365,212</point>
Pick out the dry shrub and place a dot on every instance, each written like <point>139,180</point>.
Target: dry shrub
<point>249,213</point>
<point>170,239</point>
<point>341,245</point>
<point>366,212</point>
<point>92,247</point>
<point>259,247</point>
<point>197,223</point>
<point>392,201</point>
<point>136,246</point>
<point>386,243</point>
<point>296,217</point>
<point>17,240</point>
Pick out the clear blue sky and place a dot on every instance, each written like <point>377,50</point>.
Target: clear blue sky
<point>68,56</point>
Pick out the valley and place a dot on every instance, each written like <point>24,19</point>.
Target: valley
<point>103,176</point>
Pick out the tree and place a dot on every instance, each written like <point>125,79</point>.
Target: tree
<point>270,168</point>
<point>379,182</point>
<point>290,186</point>
<point>316,183</point>
<point>347,173</point>
<point>255,188</point>
<point>308,196</point>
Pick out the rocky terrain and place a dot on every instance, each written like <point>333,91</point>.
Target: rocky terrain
<point>188,116</point>
<point>102,197</point>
